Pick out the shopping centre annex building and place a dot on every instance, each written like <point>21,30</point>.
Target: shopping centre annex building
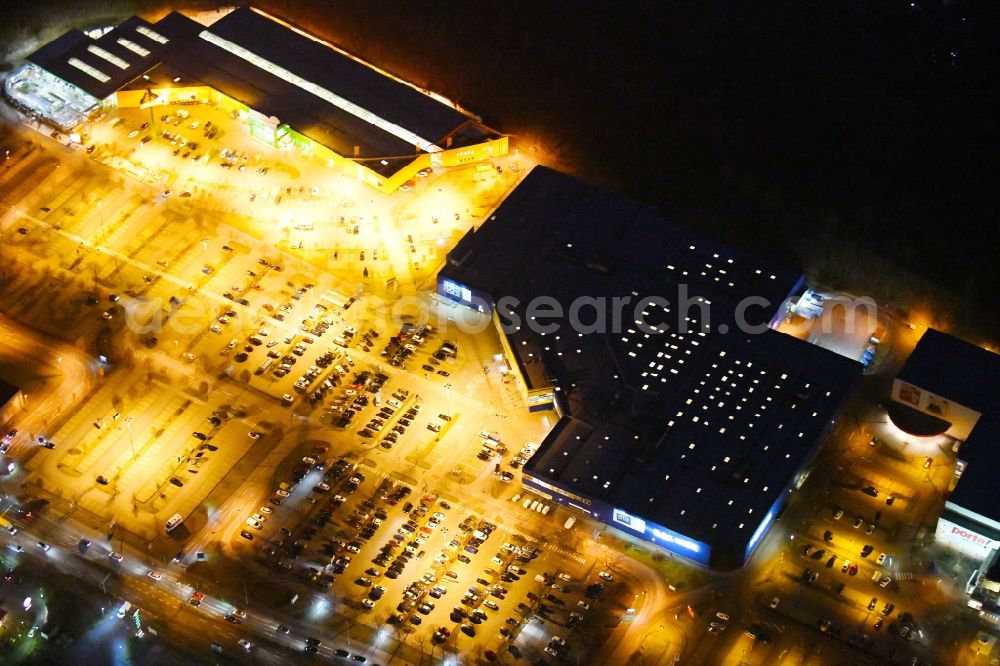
<point>948,392</point>
<point>293,91</point>
<point>676,423</point>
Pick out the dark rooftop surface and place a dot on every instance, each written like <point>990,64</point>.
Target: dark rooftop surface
<point>361,93</point>
<point>202,61</point>
<point>671,418</point>
<point>133,43</point>
<point>969,375</point>
<point>955,369</point>
<point>386,97</point>
<point>710,456</point>
<point>597,242</point>
<point>571,239</point>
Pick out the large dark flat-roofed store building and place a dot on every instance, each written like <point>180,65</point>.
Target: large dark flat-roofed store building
<point>949,389</point>
<point>292,90</point>
<point>684,419</point>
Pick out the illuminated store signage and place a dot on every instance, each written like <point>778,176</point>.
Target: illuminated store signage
<point>629,521</point>
<point>686,544</point>
<point>457,291</point>
<point>963,539</point>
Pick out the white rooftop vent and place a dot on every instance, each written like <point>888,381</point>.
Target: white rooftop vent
<point>110,57</point>
<point>133,47</point>
<point>84,67</point>
<point>155,36</point>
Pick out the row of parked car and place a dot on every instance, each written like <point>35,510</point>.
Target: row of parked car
<point>404,344</point>
<point>419,595</point>
<point>385,416</point>
<point>353,400</point>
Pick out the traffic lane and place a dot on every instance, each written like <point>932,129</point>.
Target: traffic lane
<point>648,587</point>
<point>142,592</point>
<point>78,371</point>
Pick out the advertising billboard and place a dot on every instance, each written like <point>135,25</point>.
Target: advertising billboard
<point>961,419</point>
<point>456,291</point>
<point>963,539</point>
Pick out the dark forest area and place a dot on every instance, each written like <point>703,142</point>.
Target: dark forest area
<point>855,139</point>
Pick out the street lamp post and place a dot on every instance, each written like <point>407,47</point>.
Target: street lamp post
<point>100,208</point>
<point>447,400</point>
<point>128,422</point>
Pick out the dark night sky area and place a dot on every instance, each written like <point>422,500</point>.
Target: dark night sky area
<point>856,139</point>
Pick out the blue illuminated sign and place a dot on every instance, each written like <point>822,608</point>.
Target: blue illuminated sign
<point>457,291</point>
<point>629,521</point>
<point>686,544</point>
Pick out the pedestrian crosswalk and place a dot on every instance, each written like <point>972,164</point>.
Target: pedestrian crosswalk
<point>576,557</point>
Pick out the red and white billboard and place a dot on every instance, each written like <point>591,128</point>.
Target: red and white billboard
<point>964,540</point>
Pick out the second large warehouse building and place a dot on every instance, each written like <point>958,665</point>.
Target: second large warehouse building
<point>685,419</point>
<point>292,89</point>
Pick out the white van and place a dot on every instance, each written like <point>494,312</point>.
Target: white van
<point>534,505</point>
<point>264,366</point>
<point>174,521</point>
<point>527,501</point>
<point>542,508</point>
<point>125,608</point>
<point>569,522</point>
<point>339,340</point>
<point>480,535</point>
<point>516,497</point>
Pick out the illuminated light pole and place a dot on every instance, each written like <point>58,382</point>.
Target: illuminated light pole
<point>128,422</point>
<point>100,207</point>
<point>447,403</point>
